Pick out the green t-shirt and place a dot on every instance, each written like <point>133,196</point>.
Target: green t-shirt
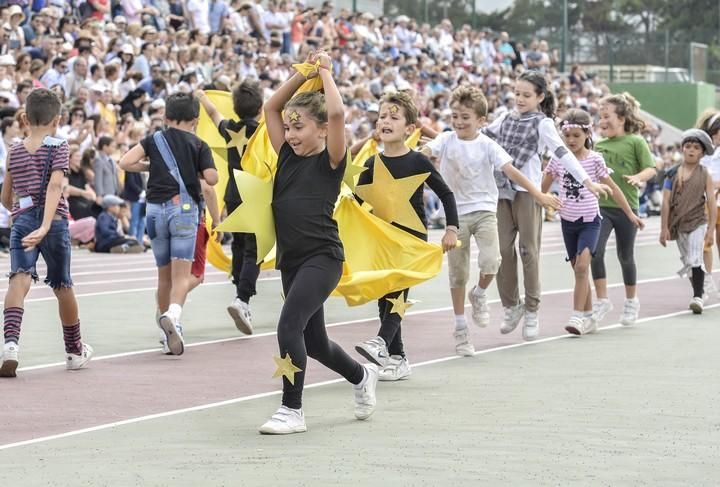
<point>626,155</point>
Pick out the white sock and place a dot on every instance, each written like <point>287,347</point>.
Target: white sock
<point>361,384</point>
<point>175,310</point>
<point>479,292</point>
<point>460,322</point>
<point>578,313</point>
<point>587,314</point>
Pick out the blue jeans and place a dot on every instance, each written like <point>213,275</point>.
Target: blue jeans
<point>171,231</point>
<point>137,221</point>
<point>55,249</point>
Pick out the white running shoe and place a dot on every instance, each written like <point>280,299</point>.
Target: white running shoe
<point>602,307</point>
<point>631,310</point>
<point>575,326</point>
<point>365,399</point>
<point>173,335</point>
<point>531,326</point>
<point>710,287</point>
<point>239,311</point>
<point>398,368</point>
<point>285,421</point>
<point>512,318</point>
<point>696,305</point>
<point>78,361</point>
<point>480,308</point>
<point>163,340</point>
<point>9,360</point>
<point>463,347</point>
<point>375,350</point>
<point>589,325</point>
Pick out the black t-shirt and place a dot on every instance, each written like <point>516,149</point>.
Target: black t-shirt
<point>304,195</point>
<point>79,207</point>
<point>192,155</point>
<point>411,164</point>
<point>232,196</point>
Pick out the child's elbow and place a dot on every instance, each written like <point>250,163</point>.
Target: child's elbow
<point>211,176</point>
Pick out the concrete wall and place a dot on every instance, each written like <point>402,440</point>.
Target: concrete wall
<point>679,104</point>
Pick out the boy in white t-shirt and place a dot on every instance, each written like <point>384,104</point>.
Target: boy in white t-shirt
<point>468,163</point>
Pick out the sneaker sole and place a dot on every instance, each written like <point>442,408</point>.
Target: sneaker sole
<point>371,357</point>
<point>382,378</point>
<point>240,323</point>
<point>175,343</point>
<point>9,368</point>
<point>696,309</point>
<point>302,429</point>
<point>574,330</point>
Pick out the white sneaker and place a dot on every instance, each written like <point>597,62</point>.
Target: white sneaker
<point>163,340</point>
<point>463,347</point>
<point>365,399</point>
<point>239,310</point>
<point>710,288</point>
<point>589,325</point>
<point>285,421</point>
<point>78,361</point>
<point>696,305</point>
<point>512,318</point>
<point>631,310</point>
<point>9,360</point>
<point>576,325</point>
<point>480,308</point>
<point>398,368</point>
<point>602,307</point>
<point>531,326</point>
<point>173,335</point>
<point>375,350</point>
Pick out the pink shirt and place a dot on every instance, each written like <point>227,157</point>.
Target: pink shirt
<point>577,201</point>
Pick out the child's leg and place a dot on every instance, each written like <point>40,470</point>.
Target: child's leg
<point>599,273</point>
<point>250,270</point>
<point>507,276</point>
<point>14,306</point>
<point>390,321</point>
<point>528,215</point>
<point>164,285</point>
<point>625,233</point>
<point>180,277</point>
<point>459,273</point>
<point>581,267</point>
<point>68,308</point>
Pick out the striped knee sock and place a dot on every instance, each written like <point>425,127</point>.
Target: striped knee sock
<point>13,320</point>
<point>71,336</point>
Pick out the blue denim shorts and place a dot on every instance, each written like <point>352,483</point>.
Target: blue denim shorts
<point>580,235</point>
<point>171,231</point>
<point>55,249</point>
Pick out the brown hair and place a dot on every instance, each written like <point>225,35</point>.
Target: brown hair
<point>627,107</point>
<point>709,121</point>
<point>313,102</point>
<point>404,101</point>
<point>579,118</point>
<point>470,97</point>
<point>247,99</point>
<point>42,106</point>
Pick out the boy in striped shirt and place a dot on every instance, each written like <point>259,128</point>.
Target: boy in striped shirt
<point>33,193</point>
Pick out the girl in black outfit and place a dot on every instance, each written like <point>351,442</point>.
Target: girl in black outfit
<point>309,138</point>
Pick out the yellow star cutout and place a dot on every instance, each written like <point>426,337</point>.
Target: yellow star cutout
<point>351,172</point>
<point>254,215</point>
<point>400,306</point>
<point>294,116</point>
<point>286,368</point>
<point>237,139</point>
<point>390,197</point>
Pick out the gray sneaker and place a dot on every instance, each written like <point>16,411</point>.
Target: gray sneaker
<point>9,360</point>
<point>601,307</point>
<point>173,335</point>
<point>480,308</point>
<point>375,350</point>
<point>512,318</point>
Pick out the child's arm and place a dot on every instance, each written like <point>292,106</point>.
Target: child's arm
<point>212,206</point>
<point>643,176</point>
<point>620,199</point>
<point>335,113</point>
<point>133,160</point>
<point>664,217</point>
<point>209,107</point>
<point>711,211</point>
<point>274,107</point>
<point>542,197</point>
<point>6,197</point>
<point>646,161</point>
<point>52,198</point>
<point>547,181</point>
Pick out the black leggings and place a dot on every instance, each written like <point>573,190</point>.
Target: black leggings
<point>390,322</point>
<point>301,330</point>
<point>625,232</point>
<point>245,269</point>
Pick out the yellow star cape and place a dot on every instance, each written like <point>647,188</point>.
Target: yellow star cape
<point>379,258</point>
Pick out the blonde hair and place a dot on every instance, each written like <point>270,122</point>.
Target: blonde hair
<point>470,97</point>
<point>627,107</point>
<point>404,101</point>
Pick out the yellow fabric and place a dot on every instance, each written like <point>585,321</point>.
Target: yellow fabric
<point>305,69</point>
<point>370,149</point>
<point>414,139</point>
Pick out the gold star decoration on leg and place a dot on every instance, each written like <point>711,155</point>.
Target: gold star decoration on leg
<point>399,305</point>
<point>254,215</point>
<point>390,197</point>
<point>286,368</point>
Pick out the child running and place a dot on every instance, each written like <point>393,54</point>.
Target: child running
<point>247,103</point>
<point>308,134</point>
<point>710,123</point>
<point>398,119</point>
<point>631,164</point>
<point>178,161</point>
<point>688,205</point>
<point>580,212</point>
<point>525,133</point>
<point>468,160</point>
<point>32,191</point>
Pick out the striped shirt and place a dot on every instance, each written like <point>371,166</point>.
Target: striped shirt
<point>577,201</point>
<point>26,171</point>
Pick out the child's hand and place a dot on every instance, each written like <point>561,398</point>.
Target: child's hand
<point>199,94</point>
<point>449,240</point>
<point>33,239</point>
<point>709,236</point>
<point>599,189</point>
<point>664,236</point>
<point>324,59</point>
<point>549,200</point>
<point>634,180</point>
<point>637,221</point>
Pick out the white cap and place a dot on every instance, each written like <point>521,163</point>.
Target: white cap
<point>158,104</point>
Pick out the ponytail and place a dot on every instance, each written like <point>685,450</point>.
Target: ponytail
<point>547,106</point>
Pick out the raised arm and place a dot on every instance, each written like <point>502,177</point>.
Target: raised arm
<point>274,107</point>
<point>209,107</point>
<point>335,113</point>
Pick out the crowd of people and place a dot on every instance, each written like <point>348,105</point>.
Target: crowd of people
<point>89,101</point>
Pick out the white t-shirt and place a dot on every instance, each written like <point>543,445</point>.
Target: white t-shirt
<point>468,167</point>
<point>200,11</point>
<point>713,165</point>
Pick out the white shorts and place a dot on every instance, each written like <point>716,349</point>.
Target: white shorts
<point>691,246</point>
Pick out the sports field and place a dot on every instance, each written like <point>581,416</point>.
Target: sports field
<point>628,406</point>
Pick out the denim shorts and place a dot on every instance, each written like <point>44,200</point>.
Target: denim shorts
<point>580,235</point>
<point>55,249</point>
<point>171,231</point>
